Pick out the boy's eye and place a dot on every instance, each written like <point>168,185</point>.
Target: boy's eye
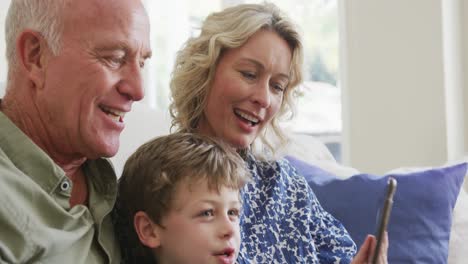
<point>207,213</point>
<point>233,212</point>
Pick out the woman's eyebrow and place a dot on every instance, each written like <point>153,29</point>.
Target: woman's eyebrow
<point>259,65</point>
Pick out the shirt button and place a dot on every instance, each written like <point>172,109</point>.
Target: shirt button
<point>65,185</point>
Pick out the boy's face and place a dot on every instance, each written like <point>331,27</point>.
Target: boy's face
<point>202,227</point>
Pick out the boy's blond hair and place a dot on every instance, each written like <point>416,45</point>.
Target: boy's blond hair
<point>152,174</point>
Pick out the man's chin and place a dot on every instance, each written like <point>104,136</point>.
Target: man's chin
<point>104,150</point>
<point>110,153</point>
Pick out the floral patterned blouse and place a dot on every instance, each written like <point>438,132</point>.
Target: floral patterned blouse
<point>283,222</point>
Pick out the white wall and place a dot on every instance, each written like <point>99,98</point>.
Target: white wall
<point>3,10</point>
<point>464,44</point>
<point>394,84</point>
<point>454,81</point>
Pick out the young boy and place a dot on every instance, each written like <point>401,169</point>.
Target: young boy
<point>179,201</point>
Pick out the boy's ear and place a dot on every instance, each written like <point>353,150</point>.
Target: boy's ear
<point>31,49</point>
<point>147,230</point>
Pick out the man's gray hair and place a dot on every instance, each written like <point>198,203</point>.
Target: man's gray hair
<point>43,16</point>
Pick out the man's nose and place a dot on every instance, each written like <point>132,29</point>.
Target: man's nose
<point>132,82</point>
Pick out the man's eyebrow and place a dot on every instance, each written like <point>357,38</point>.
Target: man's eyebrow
<point>110,48</point>
<point>147,55</point>
<point>123,47</point>
<point>260,66</point>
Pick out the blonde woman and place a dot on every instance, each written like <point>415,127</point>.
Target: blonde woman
<point>233,82</point>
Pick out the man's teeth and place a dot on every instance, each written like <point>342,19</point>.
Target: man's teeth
<point>248,117</point>
<point>117,116</point>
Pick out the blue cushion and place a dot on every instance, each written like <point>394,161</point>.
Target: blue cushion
<point>419,226</point>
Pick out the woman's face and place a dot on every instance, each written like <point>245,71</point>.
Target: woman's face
<point>247,89</point>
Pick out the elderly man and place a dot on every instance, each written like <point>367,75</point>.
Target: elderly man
<point>74,71</point>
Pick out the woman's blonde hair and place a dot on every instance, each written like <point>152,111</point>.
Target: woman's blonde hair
<point>196,63</point>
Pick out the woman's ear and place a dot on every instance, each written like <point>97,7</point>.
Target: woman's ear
<point>147,230</point>
<point>31,49</point>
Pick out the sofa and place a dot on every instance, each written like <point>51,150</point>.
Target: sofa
<point>429,222</point>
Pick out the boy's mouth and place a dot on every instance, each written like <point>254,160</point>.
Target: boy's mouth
<point>227,253</point>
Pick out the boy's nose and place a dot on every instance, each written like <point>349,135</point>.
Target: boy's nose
<point>227,228</point>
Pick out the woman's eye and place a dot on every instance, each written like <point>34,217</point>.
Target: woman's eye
<point>278,87</point>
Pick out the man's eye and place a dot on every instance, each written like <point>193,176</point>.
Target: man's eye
<point>248,75</point>
<point>115,61</point>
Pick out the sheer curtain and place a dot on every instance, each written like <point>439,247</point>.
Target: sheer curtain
<point>172,23</point>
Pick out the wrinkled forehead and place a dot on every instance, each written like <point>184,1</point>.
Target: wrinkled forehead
<point>109,19</point>
<point>120,13</point>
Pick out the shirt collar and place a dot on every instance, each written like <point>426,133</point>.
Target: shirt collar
<point>36,164</point>
<point>28,157</point>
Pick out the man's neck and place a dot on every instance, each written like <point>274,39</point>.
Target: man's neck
<point>22,111</point>
<point>80,191</point>
<point>18,111</point>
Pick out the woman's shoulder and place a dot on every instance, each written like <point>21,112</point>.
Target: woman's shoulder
<point>279,201</point>
<point>281,176</point>
<point>279,167</point>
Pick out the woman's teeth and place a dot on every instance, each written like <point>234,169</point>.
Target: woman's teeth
<point>247,117</point>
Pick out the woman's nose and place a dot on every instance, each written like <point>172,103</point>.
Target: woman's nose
<point>262,94</point>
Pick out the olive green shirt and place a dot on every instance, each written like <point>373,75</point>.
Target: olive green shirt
<point>37,224</point>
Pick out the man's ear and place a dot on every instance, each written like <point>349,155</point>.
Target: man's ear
<point>147,230</point>
<point>31,49</point>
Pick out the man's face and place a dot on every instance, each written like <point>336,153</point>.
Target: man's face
<point>96,76</point>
